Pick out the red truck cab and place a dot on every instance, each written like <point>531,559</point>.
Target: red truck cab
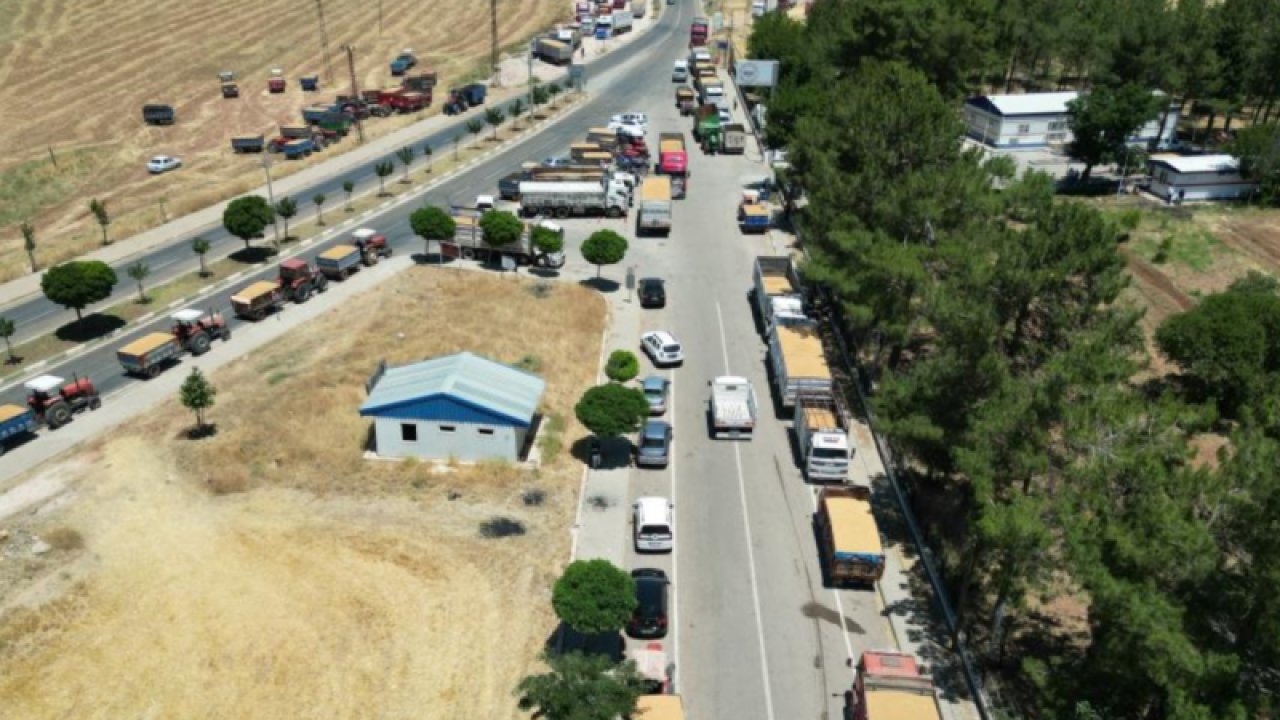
<point>698,32</point>
<point>889,686</point>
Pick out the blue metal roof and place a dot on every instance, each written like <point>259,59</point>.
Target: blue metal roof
<point>465,379</point>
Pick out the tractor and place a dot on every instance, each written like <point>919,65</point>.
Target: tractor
<point>372,244</point>
<point>54,400</point>
<point>197,330</point>
<point>299,280</point>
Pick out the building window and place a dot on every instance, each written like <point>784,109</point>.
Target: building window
<point>1057,126</point>
<point>1024,129</point>
<point>408,432</point>
<point>485,431</point>
<point>448,428</point>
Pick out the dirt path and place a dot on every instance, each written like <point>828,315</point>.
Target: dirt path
<point>1151,279</point>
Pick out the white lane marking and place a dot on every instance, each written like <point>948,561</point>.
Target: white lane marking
<point>751,553</point>
<point>844,634</point>
<point>675,533</point>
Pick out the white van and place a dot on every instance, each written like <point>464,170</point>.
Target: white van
<point>700,55</point>
<point>680,72</point>
<point>652,521</point>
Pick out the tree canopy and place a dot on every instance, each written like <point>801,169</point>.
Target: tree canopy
<point>432,223</point>
<point>78,284</point>
<point>594,597</point>
<point>611,410</point>
<point>247,217</point>
<point>500,228</point>
<point>604,247</point>
<point>582,687</point>
<point>1103,120</point>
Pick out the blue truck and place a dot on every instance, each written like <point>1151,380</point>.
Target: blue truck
<point>302,147</point>
<point>337,263</point>
<point>15,423</point>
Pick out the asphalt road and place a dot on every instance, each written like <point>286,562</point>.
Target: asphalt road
<point>755,634</point>
<point>36,315</point>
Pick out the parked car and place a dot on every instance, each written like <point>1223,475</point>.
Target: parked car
<point>656,389</point>
<point>163,163</point>
<point>662,348</point>
<point>560,161</point>
<point>653,446</point>
<point>650,617</point>
<point>653,525</point>
<point>725,117</point>
<point>653,293</point>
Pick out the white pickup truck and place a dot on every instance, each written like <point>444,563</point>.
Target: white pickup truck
<point>733,408</point>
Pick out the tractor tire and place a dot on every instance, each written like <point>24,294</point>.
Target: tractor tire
<point>322,283</point>
<point>302,294</point>
<point>344,274</point>
<point>370,258</point>
<point>57,416</point>
<point>226,334</point>
<point>386,252</point>
<point>95,402</point>
<point>199,344</point>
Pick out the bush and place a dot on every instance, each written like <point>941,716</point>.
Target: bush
<point>623,365</point>
<point>501,527</point>
<point>594,596</point>
<point>63,538</point>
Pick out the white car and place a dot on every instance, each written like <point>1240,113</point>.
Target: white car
<point>630,129</point>
<point>662,348</point>
<point>485,202</point>
<point>632,118</point>
<point>163,163</point>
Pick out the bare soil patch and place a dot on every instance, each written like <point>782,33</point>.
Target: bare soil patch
<point>323,585</point>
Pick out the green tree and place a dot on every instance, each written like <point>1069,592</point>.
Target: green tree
<point>319,199</point>
<point>623,365</point>
<point>517,109</point>
<point>286,208</point>
<point>594,597</point>
<point>604,247</point>
<point>581,687</point>
<point>1103,120</point>
<point>500,228</point>
<point>78,284</point>
<point>29,244</point>
<point>139,271</point>
<point>200,247</point>
<point>246,217</point>
<point>383,170</point>
<point>553,91</point>
<point>547,240</point>
<point>426,153</point>
<point>538,96</point>
<point>475,125</point>
<point>494,117</point>
<point>103,218</point>
<point>7,329</point>
<point>405,156</point>
<point>611,410</point>
<point>348,187</point>
<point>1258,149</point>
<point>197,395</point>
<point>432,223</point>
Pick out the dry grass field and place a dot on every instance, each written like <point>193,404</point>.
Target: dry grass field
<point>74,77</point>
<point>270,572</point>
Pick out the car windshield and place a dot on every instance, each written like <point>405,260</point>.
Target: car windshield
<point>655,530</point>
<point>649,596</point>
<point>829,454</point>
<point>653,442</point>
<point>671,348</point>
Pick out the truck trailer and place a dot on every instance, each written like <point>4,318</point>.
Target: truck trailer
<point>733,408</point>
<point>822,435</point>
<point>655,206</point>
<point>798,363</point>
<point>563,199</point>
<point>775,279</point>
<point>553,50</point>
<point>15,423</point>
<point>735,139</point>
<point>255,301</point>
<point>193,332</point>
<point>848,538</point>
<point>337,263</point>
<point>673,161</point>
<point>888,686</point>
<point>468,243</point>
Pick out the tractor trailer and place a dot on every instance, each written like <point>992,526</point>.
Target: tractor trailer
<point>193,332</point>
<point>468,243</point>
<point>563,199</point>
<point>798,363</point>
<point>777,292</point>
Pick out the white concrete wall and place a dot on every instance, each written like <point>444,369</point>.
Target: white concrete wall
<point>466,442</point>
<point>1030,131</point>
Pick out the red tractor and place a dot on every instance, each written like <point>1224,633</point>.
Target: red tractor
<point>54,400</point>
<point>299,280</point>
<point>373,245</point>
<point>197,330</point>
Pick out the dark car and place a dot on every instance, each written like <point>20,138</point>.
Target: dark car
<point>653,293</point>
<point>650,617</point>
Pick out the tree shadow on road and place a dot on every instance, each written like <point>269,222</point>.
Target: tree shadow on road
<point>90,327</point>
<point>604,285</point>
<point>255,255</point>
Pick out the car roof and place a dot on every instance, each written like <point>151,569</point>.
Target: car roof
<point>661,336</point>
<point>654,382</point>
<point>652,505</point>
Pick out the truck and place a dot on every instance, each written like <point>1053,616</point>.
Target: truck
<point>402,100</point>
<point>193,332</point>
<point>247,144</point>
<point>888,685</point>
<point>706,128</point>
<point>733,407</point>
<point>405,60</point>
<point>578,150</point>
<point>698,31</point>
<point>468,243</point>
<point>299,148</point>
<point>158,114</point>
<point>659,707</point>
<point>735,139</point>
<point>798,362</point>
<point>309,83</point>
<point>230,90</point>
<point>553,50</point>
<point>711,92</point>
<point>337,263</point>
<point>673,161</point>
<point>622,21</point>
<point>276,84</point>
<point>423,82</point>
<point>822,435</point>
<point>852,554</point>
<point>775,278</point>
<point>604,137</point>
<point>655,206</point>
<point>298,280</point>
<point>686,100</point>
<point>255,301</point>
<point>563,199</point>
<point>753,218</point>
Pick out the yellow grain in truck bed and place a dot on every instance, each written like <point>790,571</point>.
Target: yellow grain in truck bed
<point>778,285</point>
<point>658,707</point>
<point>802,350</point>
<point>670,146</point>
<point>754,210</point>
<point>253,292</point>
<point>9,412</point>
<point>145,344</point>
<point>819,418</point>
<point>900,705</point>
<point>853,527</point>
<point>338,253</point>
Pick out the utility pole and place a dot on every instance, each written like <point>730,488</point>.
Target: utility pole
<point>355,89</point>
<point>324,42</point>
<point>271,198</point>
<point>493,35</point>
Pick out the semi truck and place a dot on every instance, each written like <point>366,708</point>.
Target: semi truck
<point>563,199</point>
<point>655,206</point>
<point>193,332</point>
<point>822,435</point>
<point>468,243</point>
<point>888,685</point>
<point>777,291</point>
<point>673,161</point>
<point>798,363</point>
<point>733,408</point>
<point>849,539</point>
<point>698,31</point>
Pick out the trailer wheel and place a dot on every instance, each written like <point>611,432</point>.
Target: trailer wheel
<point>257,315</point>
<point>562,212</point>
<point>614,212</point>
<point>58,416</point>
<point>199,344</point>
<point>388,251</point>
<point>95,402</point>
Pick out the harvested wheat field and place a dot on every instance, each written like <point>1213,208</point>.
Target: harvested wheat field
<point>270,572</point>
<point>74,78</point>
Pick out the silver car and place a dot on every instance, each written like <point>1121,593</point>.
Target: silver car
<point>653,447</point>
<point>655,391</point>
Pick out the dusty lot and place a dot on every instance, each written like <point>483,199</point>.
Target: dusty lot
<point>269,571</point>
<point>74,76</point>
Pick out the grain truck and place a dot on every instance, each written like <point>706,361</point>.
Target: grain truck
<point>822,435</point>
<point>468,243</point>
<point>733,408</point>
<point>798,363</point>
<point>563,199</point>
<point>706,128</point>
<point>553,50</point>
<point>735,139</point>
<point>655,206</point>
<point>193,332</point>
<point>848,538</point>
<point>888,686</point>
<point>673,161</point>
<point>777,292</point>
